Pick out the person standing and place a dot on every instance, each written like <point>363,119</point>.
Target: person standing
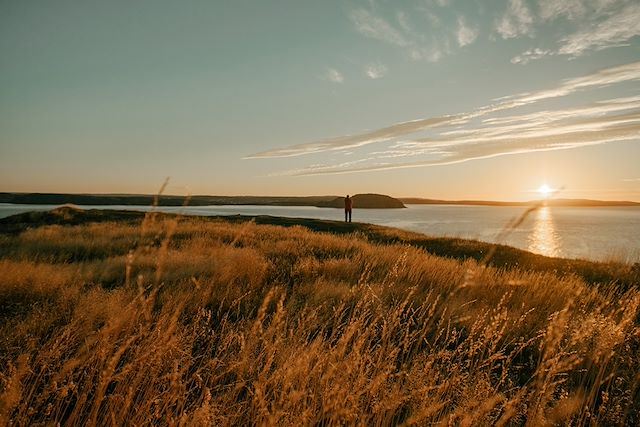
<point>348,206</point>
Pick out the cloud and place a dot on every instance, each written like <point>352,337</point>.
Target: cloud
<point>530,55</point>
<point>402,33</point>
<point>353,141</point>
<point>403,20</point>
<point>553,9</point>
<point>603,24</point>
<point>333,75</point>
<point>517,20</point>
<point>456,138</point>
<point>613,31</point>
<point>375,71</point>
<point>322,166</point>
<point>607,76</point>
<point>631,180</point>
<point>465,34</point>
<point>491,142</point>
<point>376,27</point>
<point>543,118</point>
<point>432,54</point>
<point>575,10</point>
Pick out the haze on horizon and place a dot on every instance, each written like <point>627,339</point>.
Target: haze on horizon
<point>443,99</point>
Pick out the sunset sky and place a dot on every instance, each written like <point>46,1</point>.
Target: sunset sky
<point>447,99</point>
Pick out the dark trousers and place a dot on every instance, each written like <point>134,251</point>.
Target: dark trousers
<point>347,215</point>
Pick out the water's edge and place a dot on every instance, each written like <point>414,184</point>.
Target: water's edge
<point>596,233</point>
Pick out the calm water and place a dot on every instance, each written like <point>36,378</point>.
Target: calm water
<point>593,233</point>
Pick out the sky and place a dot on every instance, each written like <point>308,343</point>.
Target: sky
<point>445,99</point>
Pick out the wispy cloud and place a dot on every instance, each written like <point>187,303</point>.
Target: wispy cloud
<point>431,54</point>
<point>543,118</point>
<point>602,24</point>
<point>631,180</point>
<point>376,27</point>
<point>465,34</point>
<point>517,20</point>
<point>403,20</point>
<point>553,9</point>
<point>333,75</point>
<point>353,141</point>
<point>628,72</point>
<point>530,55</point>
<point>375,70</point>
<point>607,76</point>
<point>613,31</point>
<point>407,32</point>
<point>497,141</point>
<point>423,31</point>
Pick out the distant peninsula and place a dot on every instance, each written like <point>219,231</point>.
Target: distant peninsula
<point>360,201</point>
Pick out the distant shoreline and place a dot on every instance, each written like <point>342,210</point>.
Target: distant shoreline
<point>585,203</point>
<point>360,201</point>
<point>367,201</point>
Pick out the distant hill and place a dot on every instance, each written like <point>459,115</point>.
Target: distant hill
<point>367,201</point>
<point>360,201</point>
<point>164,200</point>
<point>551,202</point>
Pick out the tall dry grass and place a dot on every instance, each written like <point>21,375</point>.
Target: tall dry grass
<point>212,323</point>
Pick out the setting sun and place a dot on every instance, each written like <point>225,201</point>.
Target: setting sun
<point>545,190</point>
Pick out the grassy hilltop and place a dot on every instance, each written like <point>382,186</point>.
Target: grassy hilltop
<point>120,317</point>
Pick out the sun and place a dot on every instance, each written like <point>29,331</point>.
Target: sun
<point>545,190</point>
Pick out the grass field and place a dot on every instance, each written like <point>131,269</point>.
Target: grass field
<point>111,318</point>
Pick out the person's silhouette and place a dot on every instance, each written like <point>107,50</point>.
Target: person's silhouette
<point>348,206</point>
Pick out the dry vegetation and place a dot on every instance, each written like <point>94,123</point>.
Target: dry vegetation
<point>186,321</point>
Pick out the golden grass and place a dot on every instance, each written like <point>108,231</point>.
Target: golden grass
<point>213,323</point>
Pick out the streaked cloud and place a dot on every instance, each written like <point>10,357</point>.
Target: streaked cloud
<point>333,75</point>
<point>517,20</point>
<point>631,180</point>
<point>353,141</point>
<point>465,34</point>
<point>494,141</point>
<point>608,76</point>
<point>375,70</point>
<point>546,117</point>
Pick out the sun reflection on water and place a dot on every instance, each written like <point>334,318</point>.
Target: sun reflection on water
<point>544,238</point>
